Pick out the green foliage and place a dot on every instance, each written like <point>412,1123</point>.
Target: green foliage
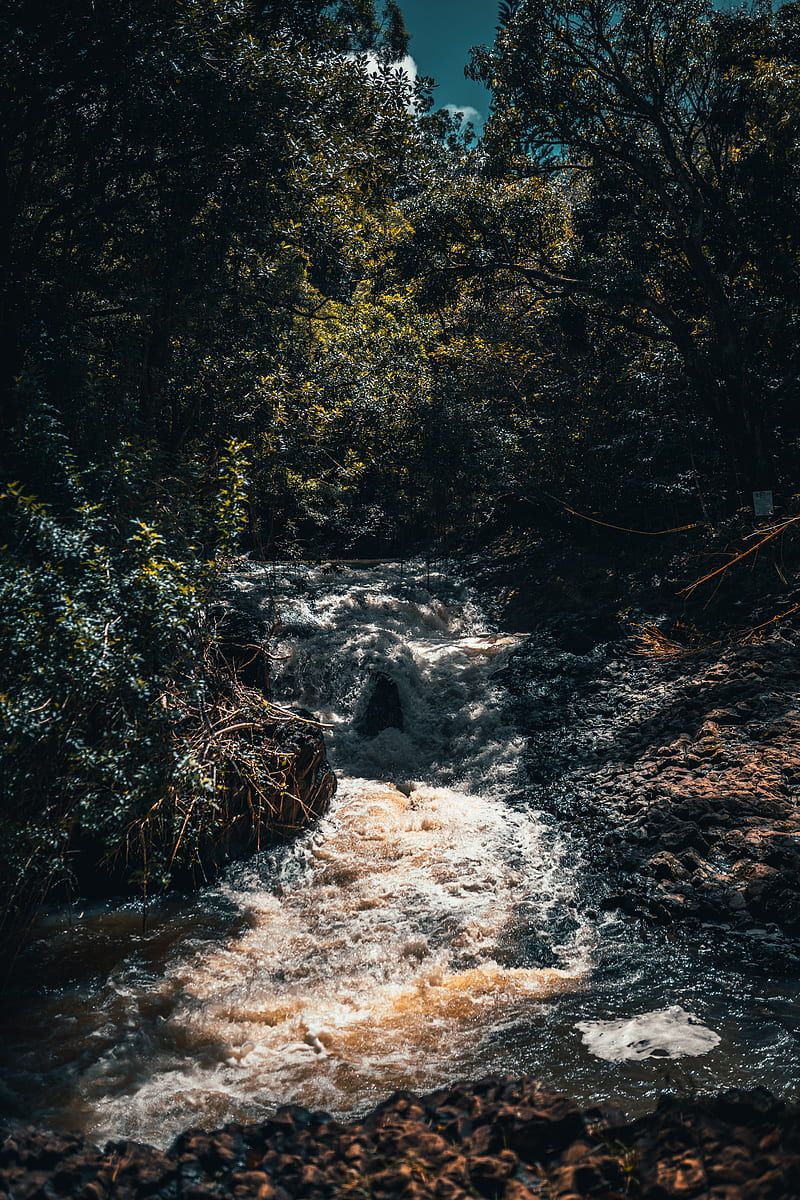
<point>103,639</point>
<point>157,297</point>
<point>257,294</point>
<point>148,287</point>
<point>232,497</point>
<point>652,120</point>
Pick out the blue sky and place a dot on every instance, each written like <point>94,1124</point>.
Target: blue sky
<point>442,33</point>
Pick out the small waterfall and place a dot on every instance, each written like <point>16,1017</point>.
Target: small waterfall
<point>433,926</point>
<point>387,946</point>
<point>343,633</point>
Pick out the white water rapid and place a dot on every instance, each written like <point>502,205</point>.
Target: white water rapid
<point>435,925</point>
<point>381,950</point>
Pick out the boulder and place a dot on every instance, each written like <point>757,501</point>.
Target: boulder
<point>383,709</point>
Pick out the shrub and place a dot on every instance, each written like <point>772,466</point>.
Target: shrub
<point>109,669</point>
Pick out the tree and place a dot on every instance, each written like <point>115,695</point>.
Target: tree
<point>159,171</point>
<point>670,133</point>
<point>180,188</point>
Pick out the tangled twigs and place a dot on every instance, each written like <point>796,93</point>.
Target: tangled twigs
<point>259,772</point>
<point>763,539</point>
<point>654,643</point>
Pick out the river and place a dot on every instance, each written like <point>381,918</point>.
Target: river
<point>438,923</point>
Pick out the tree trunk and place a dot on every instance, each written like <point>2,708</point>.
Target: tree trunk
<point>10,366</point>
<point>747,442</point>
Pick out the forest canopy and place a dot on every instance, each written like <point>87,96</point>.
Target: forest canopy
<point>259,296</point>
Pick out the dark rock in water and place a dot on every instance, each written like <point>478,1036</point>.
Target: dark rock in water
<point>579,634</point>
<point>383,709</point>
<point>241,639</point>
<point>502,1138</point>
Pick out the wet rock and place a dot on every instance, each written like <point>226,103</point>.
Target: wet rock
<point>703,821</point>
<point>666,866</point>
<point>769,895</point>
<point>489,1174</point>
<point>383,709</point>
<point>539,1130</point>
<point>696,1148</point>
<point>742,1145</point>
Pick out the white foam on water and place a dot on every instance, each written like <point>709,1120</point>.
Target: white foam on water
<point>664,1033</point>
<point>440,654</point>
<point>381,949</point>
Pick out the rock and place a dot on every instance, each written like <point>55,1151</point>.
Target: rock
<point>667,866</point>
<point>541,1128</point>
<point>489,1174</point>
<point>383,709</point>
<point>742,1145</point>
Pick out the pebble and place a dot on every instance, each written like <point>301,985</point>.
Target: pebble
<point>502,1138</point>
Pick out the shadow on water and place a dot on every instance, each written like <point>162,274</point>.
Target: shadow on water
<point>437,924</point>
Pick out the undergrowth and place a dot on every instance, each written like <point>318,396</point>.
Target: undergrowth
<point>129,743</point>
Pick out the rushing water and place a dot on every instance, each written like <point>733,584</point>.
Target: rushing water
<point>434,925</point>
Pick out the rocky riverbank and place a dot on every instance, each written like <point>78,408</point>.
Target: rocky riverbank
<point>502,1138</point>
<point>708,824</point>
<point>679,764</point>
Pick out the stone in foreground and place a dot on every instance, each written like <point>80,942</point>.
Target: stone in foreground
<point>502,1139</point>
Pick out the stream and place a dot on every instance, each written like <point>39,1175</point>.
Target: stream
<point>439,923</point>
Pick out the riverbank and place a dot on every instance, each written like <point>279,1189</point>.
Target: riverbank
<point>466,907</point>
<point>674,745</point>
<point>502,1139</point>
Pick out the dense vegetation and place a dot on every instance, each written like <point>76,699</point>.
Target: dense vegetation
<point>257,294</point>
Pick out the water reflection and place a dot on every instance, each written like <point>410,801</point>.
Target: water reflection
<point>433,926</point>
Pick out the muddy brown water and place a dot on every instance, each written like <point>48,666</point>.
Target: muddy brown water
<point>435,925</point>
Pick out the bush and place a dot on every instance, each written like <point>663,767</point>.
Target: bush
<point>108,655</point>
